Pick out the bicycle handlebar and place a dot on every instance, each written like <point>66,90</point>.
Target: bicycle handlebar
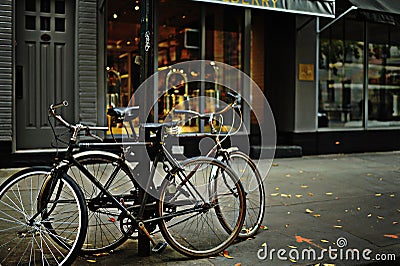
<point>209,115</point>
<point>76,128</point>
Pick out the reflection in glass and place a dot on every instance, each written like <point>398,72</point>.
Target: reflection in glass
<point>341,76</point>
<point>383,76</point>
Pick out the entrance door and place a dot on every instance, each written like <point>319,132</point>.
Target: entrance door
<point>44,67</point>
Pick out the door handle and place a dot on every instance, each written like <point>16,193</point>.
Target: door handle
<point>19,81</point>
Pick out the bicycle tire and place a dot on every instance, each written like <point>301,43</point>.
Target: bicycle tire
<point>104,229</point>
<point>23,242</point>
<point>253,186</point>
<point>209,238</point>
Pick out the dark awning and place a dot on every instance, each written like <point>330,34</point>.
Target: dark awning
<point>383,11</point>
<point>386,6</point>
<point>324,8</point>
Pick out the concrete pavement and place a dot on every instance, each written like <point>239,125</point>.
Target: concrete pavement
<point>347,204</point>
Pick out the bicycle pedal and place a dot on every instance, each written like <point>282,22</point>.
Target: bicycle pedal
<point>159,247</point>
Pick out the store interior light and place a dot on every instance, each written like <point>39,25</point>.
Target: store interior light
<point>115,16</point>
<point>136,8</point>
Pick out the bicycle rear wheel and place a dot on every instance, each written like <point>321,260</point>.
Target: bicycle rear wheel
<point>191,200</point>
<point>253,186</point>
<point>55,235</point>
<point>107,229</point>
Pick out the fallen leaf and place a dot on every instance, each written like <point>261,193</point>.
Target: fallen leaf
<point>288,175</point>
<point>299,195</point>
<point>292,260</point>
<point>301,171</point>
<point>310,194</point>
<point>391,236</point>
<point>101,254</point>
<point>317,215</point>
<point>264,244</point>
<point>395,222</point>
<point>286,195</point>
<point>286,225</point>
<point>238,264</point>
<point>338,220</point>
<point>392,195</point>
<point>378,194</point>
<point>275,164</point>
<point>263,227</point>
<point>369,215</point>
<point>358,209</point>
<point>91,261</point>
<point>338,226</point>
<point>380,217</point>
<point>369,174</point>
<point>329,193</point>
<point>292,246</point>
<point>112,219</point>
<point>324,241</point>
<point>309,211</point>
<point>274,194</point>
<point>398,210</point>
<point>304,186</point>
<point>226,255</point>
<point>276,188</point>
<point>377,207</point>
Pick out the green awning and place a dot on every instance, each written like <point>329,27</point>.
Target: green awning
<point>324,8</point>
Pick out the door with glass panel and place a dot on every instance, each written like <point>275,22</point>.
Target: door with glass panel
<point>44,67</point>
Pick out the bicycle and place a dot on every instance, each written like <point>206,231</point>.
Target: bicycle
<point>240,162</point>
<point>43,217</point>
<point>195,191</point>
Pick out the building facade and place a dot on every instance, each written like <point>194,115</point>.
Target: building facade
<point>331,82</point>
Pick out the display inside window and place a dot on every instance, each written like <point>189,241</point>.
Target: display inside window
<point>342,101</point>
<point>180,38</point>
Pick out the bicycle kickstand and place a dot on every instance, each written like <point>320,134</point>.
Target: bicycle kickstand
<point>157,247</point>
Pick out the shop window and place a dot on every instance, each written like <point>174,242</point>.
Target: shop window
<point>180,32</point>
<point>383,76</point>
<point>122,65</point>
<point>341,76</point>
<point>341,86</point>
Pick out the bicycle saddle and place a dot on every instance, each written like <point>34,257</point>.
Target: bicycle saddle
<point>129,113</point>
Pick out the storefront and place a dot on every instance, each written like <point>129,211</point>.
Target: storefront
<point>248,35</point>
<point>332,83</point>
<point>358,78</point>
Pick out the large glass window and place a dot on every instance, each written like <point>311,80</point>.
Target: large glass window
<point>341,76</point>
<point>180,39</point>
<point>342,103</point>
<point>383,76</point>
<point>122,48</point>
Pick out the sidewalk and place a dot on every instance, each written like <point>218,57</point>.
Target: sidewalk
<point>311,202</point>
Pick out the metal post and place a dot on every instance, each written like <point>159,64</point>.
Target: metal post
<point>144,99</point>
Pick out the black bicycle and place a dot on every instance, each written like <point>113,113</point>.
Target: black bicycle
<point>187,206</point>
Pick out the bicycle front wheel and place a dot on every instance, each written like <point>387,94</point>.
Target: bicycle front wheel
<point>189,202</point>
<point>34,232</point>
<point>253,186</point>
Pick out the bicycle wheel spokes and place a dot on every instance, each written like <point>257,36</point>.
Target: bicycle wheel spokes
<point>104,229</point>
<point>196,229</point>
<point>52,237</point>
<point>254,189</point>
